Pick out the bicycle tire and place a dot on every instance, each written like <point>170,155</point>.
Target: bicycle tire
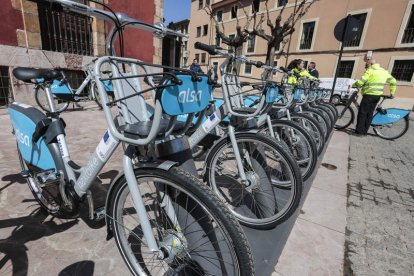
<point>320,117</point>
<point>41,100</point>
<point>333,110</point>
<point>381,134</point>
<point>178,185</point>
<point>335,99</point>
<point>343,122</point>
<point>312,126</point>
<point>259,207</point>
<point>326,115</point>
<point>311,149</point>
<point>329,113</point>
<point>51,191</point>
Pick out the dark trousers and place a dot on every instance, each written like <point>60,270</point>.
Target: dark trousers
<point>366,112</point>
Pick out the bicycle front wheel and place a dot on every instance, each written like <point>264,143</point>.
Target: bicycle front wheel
<point>41,100</point>
<point>346,116</point>
<point>273,185</point>
<point>195,233</point>
<point>392,131</point>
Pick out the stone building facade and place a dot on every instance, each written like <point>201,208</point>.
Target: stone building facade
<point>388,31</point>
<point>45,36</point>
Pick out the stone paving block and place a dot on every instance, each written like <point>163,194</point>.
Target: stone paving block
<point>326,209</point>
<point>380,206</point>
<point>312,250</point>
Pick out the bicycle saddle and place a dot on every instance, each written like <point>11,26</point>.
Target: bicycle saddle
<point>26,74</point>
<point>142,129</point>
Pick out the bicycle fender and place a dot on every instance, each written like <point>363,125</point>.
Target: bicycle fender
<point>163,165</point>
<point>391,115</point>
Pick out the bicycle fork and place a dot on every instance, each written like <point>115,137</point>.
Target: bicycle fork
<point>139,205</point>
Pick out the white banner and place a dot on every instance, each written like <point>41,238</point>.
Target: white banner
<point>342,84</point>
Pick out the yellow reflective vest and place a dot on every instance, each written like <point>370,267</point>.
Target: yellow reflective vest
<point>304,73</point>
<point>374,80</point>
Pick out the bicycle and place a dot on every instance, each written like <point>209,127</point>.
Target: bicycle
<point>64,94</point>
<point>275,122</point>
<point>388,123</point>
<point>163,219</point>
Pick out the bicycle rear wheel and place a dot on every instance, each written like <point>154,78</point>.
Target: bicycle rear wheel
<point>204,239</point>
<point>41,99</point>
<point>274,182</point>
<point>300,144</point>
<point>346,116</point>
<point>320,118</point>
<point>312,127</point>
<point>47,194</point>
<point>392,131</point>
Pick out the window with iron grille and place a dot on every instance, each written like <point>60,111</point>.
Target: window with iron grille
<point>197,57</point>
<point>219,16</point>
<point>65,31</point>
<point>233,13</point>
<point>307,35</point>
<point>5,88</point>
<point>248,69</point>
<point>357,40</point>
<point>255,6</point>
<point>198,31</point>
<point>408,36</point>
<point>203,58</point>
<point>403,70</point>
<point>207,2</point>
<point>281,3</point>
<point>205,30</point>
<point>345,68</point>
<point>200,4</point>
<point>250,44</point>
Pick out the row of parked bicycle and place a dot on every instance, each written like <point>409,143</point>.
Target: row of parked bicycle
<point>258,144</point>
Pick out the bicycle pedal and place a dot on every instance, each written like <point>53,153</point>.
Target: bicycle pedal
<point>25,173</point>
<point>99,213</point>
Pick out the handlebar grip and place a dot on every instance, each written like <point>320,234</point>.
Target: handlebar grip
<point>258,64</point>
<point>211,49</point>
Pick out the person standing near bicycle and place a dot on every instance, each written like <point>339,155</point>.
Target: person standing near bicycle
<point>312,69</point>
<point>372,87</point>
<point>297,67</point>
<point>195,67</point>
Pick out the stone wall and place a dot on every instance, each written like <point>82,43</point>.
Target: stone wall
<point>20,56</point>
<point>158,17</point>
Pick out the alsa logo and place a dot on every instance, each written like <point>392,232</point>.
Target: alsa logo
<point>22,138</point>
<point>394,116</point>
<point>187,96</point>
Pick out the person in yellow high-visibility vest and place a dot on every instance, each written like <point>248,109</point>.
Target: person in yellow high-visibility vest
<point>297,67</point>
<point>372,87</point>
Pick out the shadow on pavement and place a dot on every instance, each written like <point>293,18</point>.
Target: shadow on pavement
<point>30,228</point>
<point>13,179</point>
<point>83,268</point>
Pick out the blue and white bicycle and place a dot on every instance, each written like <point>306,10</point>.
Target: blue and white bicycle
<point>387,123</point>
<point>63,94</point>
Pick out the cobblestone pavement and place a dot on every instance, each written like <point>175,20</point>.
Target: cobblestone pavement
<point>380,222</point>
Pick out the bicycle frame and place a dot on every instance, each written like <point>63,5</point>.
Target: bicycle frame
<point>98,159</point>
